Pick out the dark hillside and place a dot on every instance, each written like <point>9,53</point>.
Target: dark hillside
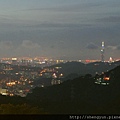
<point>82,93</point>
<point>77,96</point>
<point>76,68</point>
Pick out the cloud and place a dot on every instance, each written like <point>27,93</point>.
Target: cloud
<point>76,7</point>
<point>6,45</point>
<point>59,25</point>
<point>92,46</point>
<point>118,47</point>
<point>30,44</point>
<point>112,47</point>
<point>110,19</point>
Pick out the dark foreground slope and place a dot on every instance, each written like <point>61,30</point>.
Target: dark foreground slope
<point>81,96</point>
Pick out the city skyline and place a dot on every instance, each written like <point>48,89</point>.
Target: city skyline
<point>66,29</point>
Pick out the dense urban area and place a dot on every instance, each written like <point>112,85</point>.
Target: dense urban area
<point>21,76</point>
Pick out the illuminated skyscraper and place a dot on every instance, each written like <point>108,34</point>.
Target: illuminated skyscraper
<point>102,52</point>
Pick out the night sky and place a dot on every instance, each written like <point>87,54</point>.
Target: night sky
<point>66,29</point>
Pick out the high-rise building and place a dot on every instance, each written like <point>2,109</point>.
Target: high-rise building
<point>102,52</point>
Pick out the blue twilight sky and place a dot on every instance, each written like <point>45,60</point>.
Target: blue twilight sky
<point>68,29</point>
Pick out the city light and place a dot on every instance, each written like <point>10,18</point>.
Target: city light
<point>106,78</point>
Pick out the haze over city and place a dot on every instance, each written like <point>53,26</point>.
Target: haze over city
<point>68,29</point>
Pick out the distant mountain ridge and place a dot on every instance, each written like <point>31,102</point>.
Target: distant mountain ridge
<point>82,69</point>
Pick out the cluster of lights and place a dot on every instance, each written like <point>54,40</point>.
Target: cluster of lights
<point>10,83</point>
<point>54,82</point>
<point>54,75</point>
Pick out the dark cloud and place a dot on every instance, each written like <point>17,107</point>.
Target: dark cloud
<point>53,29</point>
<point>74,7</point>
<point>92,46</point>
<point>118,47</point>
<point>59,25</point>
<point>109,19</point>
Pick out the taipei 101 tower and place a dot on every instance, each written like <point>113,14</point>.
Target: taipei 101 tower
<point>102,52</point>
